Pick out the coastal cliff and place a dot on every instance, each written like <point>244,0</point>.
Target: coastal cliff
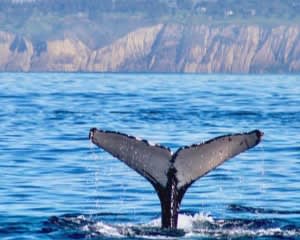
<point>173,47</point>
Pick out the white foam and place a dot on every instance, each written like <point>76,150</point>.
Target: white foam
<point>153,223</point>
<point>188,222</point>
<point>185,222</point>
<point>241,232</point>
<point>103,229</point>
<point>198,225</point>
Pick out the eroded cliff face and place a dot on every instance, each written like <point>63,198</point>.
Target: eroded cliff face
<point>15,53</point>
<point>163,48</point>
<point>127,53</point>
<point>67,55</point>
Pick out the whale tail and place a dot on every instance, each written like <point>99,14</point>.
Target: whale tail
<point>172,174</point>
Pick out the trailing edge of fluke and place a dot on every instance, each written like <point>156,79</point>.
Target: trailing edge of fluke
<point>171,174</point>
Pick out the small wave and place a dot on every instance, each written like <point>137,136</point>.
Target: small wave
<point>240,208</point>
<point>102,229</point>
<point>189,226</point>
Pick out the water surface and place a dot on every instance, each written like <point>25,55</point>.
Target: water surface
<point>56,185</point>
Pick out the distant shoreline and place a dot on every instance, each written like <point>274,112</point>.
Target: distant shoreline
<point>191,36</point>
<point>162,48</point>
<point>157,73</point>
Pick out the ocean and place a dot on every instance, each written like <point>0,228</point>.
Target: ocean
<point>55,184</point>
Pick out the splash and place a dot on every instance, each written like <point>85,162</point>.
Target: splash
<point>186,222</point>
<point>102,229</point>
<point>200,225</point>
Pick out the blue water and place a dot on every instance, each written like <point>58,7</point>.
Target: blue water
<point>56,185</point>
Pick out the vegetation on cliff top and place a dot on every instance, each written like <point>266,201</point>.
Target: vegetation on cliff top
<point>107,20</point>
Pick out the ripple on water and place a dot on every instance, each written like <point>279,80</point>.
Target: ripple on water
<point>48,167</point>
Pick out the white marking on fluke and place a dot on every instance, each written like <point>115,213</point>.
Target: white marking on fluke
<point>172,174</point>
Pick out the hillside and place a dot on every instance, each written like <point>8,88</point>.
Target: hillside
<point>136,36</point>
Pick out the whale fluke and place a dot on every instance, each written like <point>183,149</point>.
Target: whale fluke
<point>150,160</point>
<point>172,174</point>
